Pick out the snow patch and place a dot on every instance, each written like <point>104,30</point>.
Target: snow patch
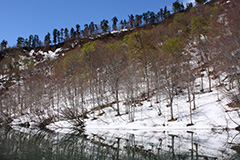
<point>31,53</point>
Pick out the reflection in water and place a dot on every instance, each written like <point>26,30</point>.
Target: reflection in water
<point>38,144</point>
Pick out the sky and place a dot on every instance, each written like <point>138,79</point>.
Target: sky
<point>21,18</point>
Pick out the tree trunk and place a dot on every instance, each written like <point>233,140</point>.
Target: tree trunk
<point>194,102</point>
<point>189,94</point>
<point>117,98</point>
<point>147,80</point>
<point>118,109</point>
<point>190,109</point>
<point>209,80</point>
<point>202,84</point>
<point>173,148</point>
<point>171,109</point>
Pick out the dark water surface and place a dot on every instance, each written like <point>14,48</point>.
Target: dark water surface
<point>34,144</point>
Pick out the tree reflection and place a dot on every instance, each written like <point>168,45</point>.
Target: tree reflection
<point>38,144</point>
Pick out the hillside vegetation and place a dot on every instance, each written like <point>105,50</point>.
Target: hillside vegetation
<point>81,77</point>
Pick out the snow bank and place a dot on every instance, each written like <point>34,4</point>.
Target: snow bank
<point>47,55</point>
<point>209,114</point>
<point>62,127</point>
<point>50,54</point>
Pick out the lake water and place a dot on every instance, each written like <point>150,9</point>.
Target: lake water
<point>34,144</point>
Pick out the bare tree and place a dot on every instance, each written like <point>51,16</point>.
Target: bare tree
<point>141,48</point>
<point>115,65</point>
<point>188,79</point>
<point>171,71</point>
<point>130,87</point>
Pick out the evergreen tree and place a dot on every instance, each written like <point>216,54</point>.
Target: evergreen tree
<point>58,37</point>
<point>114,25</point>
<point>78,31</point>
<point>3,45</point>
<point>85,32</point>
<point>61,35</point>
<point>104,25</point>
<point>36,41</point>
<point>39,43</point>
<point>189,5</point>
<point>91,28</point>
<point>122,24</point>
<point>138,20</point>
<point>73,33</point>
<point>177,7</point>
<point>146,17</point>
<point>96,28</point>
<point>30,41</point>
<point>33,43</point>
<point>55,36</point>
<point>26,42</point>
<point>166,12</point>
<point>200,1</point>
<point>181,7</point>
<point>125,23</point>
<point>131,20</point>
<point>47,40</point>
<point>20,42</point>
<point>152,17</point>
<point>66,32</point>
<point>160,15</point>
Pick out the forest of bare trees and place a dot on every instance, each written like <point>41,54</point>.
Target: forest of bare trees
<point>162,62</point>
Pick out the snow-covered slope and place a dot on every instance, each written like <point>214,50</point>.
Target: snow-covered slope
<point>211,112</point>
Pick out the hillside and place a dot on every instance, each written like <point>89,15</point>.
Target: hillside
<point>181,73</point>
